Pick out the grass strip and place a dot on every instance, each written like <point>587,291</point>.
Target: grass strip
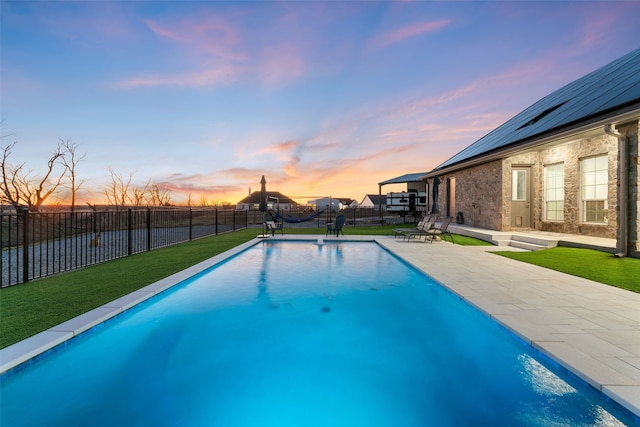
<point>587,263</point>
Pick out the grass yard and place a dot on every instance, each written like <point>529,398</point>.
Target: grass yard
<point>594,265</point>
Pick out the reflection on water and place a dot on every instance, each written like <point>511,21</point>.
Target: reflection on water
<point>543,380</point>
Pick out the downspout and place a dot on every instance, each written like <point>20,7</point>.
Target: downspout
<point>623,181</point>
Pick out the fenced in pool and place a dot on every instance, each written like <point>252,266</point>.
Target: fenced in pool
<point>36,245</point>
<point>302,333</point>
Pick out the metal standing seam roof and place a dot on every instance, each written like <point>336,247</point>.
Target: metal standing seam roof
<point>608,88</point>
<point>409,177</point>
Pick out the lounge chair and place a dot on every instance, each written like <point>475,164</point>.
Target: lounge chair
<point>336,227</point>
<point>442,230</point>
<point>428,222</point>
<point>424,230</point>
<point>402,231</point>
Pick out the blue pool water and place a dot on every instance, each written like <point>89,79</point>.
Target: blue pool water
<point>301,334</point>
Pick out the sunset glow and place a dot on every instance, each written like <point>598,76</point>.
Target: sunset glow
<point>323,98</point>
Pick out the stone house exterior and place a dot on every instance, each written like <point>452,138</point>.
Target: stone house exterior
<point>567,164</point>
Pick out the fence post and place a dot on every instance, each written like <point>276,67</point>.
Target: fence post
<point>25,245</point>
<point>233,213</point>
<point>148,229</point>
<point>216,211</point>
<point>129,231</point>
<point>190,224</point>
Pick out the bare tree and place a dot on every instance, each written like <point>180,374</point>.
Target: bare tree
<point>23,190</point>
<point>139,194</point>
<point>159,196</point>
<point>70,160</point>
<point>118,191</point>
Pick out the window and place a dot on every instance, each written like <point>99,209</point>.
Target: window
<point>554,192</point>
<point>594,181</point>
<point>519,186</point>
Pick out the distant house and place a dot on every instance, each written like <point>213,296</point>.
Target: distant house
<point>337,203</point>
<point>275,201</point>
<point>374,201</point>
<point>568,163</point>
<point>348,204</point>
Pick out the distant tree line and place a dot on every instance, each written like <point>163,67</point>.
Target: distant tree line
<point>22,188</point>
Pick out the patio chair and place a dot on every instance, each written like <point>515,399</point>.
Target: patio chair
<point>336,226</point>
<point>424,230</point>
<point>424,224</point>
<point>273,226</point>
<point>442,230</point>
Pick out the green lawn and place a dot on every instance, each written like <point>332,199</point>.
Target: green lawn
<point>594,265</point>
<point>36,306</point>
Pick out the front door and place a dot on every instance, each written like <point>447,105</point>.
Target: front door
<point>521,197</point>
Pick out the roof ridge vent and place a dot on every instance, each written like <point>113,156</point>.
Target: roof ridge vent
<point>543,114</point>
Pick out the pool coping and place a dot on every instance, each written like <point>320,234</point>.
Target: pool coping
<point>594,335</point>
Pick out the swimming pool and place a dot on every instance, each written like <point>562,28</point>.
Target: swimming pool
<point>297,333</point>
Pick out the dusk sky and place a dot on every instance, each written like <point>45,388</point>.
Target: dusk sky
<point>323,98</point>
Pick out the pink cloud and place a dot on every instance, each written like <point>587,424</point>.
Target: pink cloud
<point>283,146</point>
<point>209,45</point>
<point>158,29</point>
<point>410,31</point>
<point>281,63</point>
<point>101,21</point>
<point>214,47</point>
<point>218,76</point>
<point>210,34</point>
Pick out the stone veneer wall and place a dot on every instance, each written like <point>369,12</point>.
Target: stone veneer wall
<point>483,193</point>
<point>477,195</point>
<point>631,131</point>
<point>571,154</point>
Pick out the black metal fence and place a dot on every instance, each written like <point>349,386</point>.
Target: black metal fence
<point>36,245</point>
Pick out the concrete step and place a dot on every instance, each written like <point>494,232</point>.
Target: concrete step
<point>542,242</point>
<point>530,242</point>
<point>500,241</point>
<point>527,245</point>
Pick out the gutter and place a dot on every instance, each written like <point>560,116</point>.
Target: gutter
<point>623,182</point>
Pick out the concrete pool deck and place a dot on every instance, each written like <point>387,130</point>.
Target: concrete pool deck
<point>591,329</point>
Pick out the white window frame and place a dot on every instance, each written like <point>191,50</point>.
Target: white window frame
<point>594,189</point>
<point>554,192</point>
